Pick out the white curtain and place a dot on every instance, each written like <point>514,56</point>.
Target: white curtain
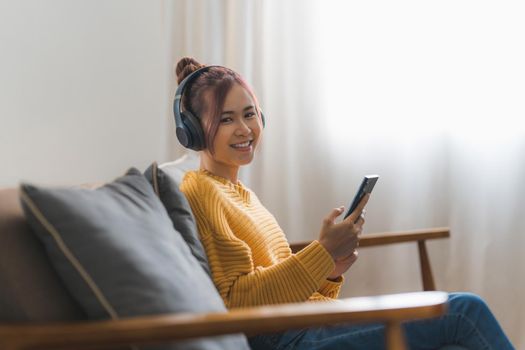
<point>429,95</point>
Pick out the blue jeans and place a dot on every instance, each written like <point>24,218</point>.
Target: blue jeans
<point>468,323</point>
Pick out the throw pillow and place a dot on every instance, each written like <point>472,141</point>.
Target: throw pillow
<point>116,251</point>
<point>179,211</point>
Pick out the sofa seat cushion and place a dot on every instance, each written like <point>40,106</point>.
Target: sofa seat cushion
<point>119,255</point>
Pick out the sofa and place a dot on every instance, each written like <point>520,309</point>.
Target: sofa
<point>42,308</point>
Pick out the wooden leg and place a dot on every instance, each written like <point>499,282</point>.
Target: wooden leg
<point>426,271</point>
<point>395,340</point>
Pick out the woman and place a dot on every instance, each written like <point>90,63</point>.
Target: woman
<point>249,256</point>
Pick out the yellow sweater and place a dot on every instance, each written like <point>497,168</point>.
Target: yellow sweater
<point>249,256</point>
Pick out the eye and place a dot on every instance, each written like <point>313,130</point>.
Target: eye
<point>249,115</point>
<point>226,120</point>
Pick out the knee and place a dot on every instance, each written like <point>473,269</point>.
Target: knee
<point>466,303</point>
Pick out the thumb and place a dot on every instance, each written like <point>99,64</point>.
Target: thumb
<point>354,256</point>
<point>330,218</point>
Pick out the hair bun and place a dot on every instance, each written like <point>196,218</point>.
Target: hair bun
<point>185,67</point>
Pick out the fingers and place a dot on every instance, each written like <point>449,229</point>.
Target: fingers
<point>358,228</point>
<point>354,256</point>
<point>330,218</point>
<point>360,221</point>
<point>359,209</point>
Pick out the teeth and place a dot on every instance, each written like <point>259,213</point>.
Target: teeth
<point>241,145</point>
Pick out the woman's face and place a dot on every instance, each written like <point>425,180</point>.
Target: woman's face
<point>239,130</point>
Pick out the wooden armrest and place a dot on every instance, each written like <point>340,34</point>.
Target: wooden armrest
<point>390,309</point>
<point>375,239</point>
<point>419,236</point>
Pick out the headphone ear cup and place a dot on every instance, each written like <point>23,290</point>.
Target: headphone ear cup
<point>263,120</point>
<point>194,131</point>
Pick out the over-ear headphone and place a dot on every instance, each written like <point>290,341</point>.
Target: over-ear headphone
<point>188,127</point>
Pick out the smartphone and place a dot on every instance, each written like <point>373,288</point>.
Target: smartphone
<point>367,185</point>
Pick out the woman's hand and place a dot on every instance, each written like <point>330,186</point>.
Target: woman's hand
<point>342,265</point>
<point>341,239</point>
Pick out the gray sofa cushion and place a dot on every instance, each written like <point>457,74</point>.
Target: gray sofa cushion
<point>117,252</point>
<point>179,211</point>
<point>30,289</point>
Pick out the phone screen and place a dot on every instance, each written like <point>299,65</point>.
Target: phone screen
<point>367,185</point>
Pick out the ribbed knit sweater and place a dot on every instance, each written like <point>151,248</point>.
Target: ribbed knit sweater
<point>249,256</point>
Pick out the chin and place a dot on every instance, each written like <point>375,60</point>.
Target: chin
<point>246,161</point>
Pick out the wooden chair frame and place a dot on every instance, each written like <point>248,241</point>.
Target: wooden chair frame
<point>419,236</point>
<point>391,310</point>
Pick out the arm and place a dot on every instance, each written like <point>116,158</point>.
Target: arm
<point>330,288</point>
<point>249,256</point>
<point>241,284</point>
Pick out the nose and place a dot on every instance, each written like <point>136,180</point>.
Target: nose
<point>242,128</point>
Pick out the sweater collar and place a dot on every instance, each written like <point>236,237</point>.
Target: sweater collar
<point>239,188</point>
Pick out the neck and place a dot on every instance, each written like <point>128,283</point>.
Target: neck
<point>226,171</point>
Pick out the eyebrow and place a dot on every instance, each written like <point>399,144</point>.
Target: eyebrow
<point>244,110</point>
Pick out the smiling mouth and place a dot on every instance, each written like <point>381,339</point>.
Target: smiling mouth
<point>242,145</point>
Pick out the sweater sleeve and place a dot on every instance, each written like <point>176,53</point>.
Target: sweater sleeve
<point>331,288</point>
<point>239,282</point>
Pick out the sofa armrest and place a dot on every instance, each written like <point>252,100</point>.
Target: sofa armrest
<point>390,309</point>
<point>384,238</point>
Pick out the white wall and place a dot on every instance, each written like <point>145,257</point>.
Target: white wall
<point>85,89</point>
